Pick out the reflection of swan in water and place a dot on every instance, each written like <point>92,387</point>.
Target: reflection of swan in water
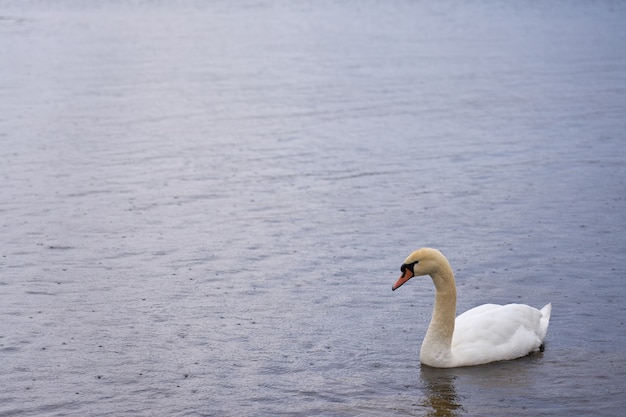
<point>441,397</point>
<point>484,334</point>
<point>448,392</point>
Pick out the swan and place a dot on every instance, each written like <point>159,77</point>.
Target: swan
<point>487,333</point>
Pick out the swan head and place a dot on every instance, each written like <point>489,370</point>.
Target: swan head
<point>425,261</point>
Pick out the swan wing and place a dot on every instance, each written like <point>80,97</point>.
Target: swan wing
<point>493,332</point>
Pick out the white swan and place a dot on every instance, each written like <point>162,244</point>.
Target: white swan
<point>486,333</point>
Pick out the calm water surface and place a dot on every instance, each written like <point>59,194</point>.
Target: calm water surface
<point>203,205</point>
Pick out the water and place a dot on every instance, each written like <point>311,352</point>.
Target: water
<point>204,204</point>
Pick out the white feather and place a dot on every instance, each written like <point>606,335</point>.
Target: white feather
<point>492,332</point>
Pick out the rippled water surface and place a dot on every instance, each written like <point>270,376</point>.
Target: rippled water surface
<point>203,205</point>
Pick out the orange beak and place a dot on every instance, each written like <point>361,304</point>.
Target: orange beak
<point>404,278</point>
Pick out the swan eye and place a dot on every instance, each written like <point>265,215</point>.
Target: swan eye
<point>410,267</point>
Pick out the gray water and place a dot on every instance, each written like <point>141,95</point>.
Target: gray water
<point>203,205</point>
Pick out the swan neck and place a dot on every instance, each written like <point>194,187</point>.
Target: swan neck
<point>439,335</point>
<point>444,311</point>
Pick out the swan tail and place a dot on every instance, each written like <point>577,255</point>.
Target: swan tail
<point>544,321</point>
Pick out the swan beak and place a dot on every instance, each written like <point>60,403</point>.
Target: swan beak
<point>404,278</point>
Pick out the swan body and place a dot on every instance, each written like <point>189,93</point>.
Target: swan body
<point>483,334</point>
